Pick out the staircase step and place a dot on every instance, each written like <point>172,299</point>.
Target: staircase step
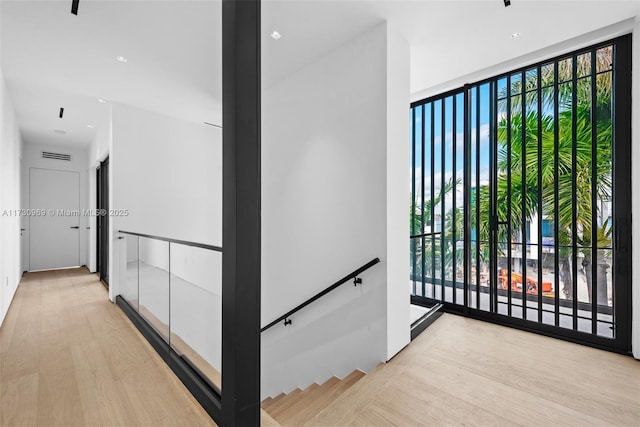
<point>293,400</point>
<point>269,401</point>
<point>266,420</point>
<point>304,406</point>
<point>282,404</point>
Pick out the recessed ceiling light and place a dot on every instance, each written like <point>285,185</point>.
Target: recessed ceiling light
<point>102,101</point>
<point>276,35</point>
<point>59,131</point>
<point>515,35</point>
<point>121,58</point>
<point>90,126</point>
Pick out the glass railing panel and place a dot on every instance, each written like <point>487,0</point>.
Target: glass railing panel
<point>130,286</point>
<point>154,284</point>
<point>196,308</point>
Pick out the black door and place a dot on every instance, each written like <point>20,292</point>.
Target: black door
<point>102,220</point>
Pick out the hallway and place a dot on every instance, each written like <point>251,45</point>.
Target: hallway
<point>69,357</point>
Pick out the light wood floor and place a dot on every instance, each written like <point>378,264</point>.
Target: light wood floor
<point>69,357</point>
<point>467,372</point>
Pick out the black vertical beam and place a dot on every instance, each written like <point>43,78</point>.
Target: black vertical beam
<point>467,195</point>
<point>454,152</point>
<point>622,248</point>
<point>423,238</point>
<point>442,197</point>
<point>556,233</point>
<point>478,197</point>
<point>523,184</point>
<point>412,242</point>
<point>540,208</point>
<point>241,102</point>
<point>594,196</point>
<point>433,208</point>
<point>574,203</point>
<point>508,238</point>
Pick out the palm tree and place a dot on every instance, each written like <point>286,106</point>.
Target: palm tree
<point>524,203</point>
<point>417,227</point>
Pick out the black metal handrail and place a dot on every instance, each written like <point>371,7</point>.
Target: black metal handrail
<point>170,240</point>
<point>353,275</point>
<point>435,233</point>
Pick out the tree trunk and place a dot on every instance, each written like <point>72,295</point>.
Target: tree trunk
<point>602,281</point>
<point>567,279</point>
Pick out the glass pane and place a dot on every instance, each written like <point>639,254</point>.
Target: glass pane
<point>459,199</point>
<point>604,291</point>
<point>473,276</point>
<point>502,88</point>
<point>566,281</point>
<point>584,64</point>
<point>604,59</point>
<point>130,287</point>
<point>547,75</point>
<point>565,70</point>
<point>516,83</point>
<point>532,79</point>
<point>196,308</point>
<point>154,284</point>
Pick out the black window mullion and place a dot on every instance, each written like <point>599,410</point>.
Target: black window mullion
<point>466,188</point>
<point>540,208</point>
<point>442,198</point>
<point>413,200</point>
<point>523,160</point>
<point>508,238</point>
<point>574,206</point>
<point>433,208</point>
<point>556,234</point>
<point>422,239</point>
<point>594,197</point>
<point>454,245</point>
<point>493,171</point>
<point>478,197</point>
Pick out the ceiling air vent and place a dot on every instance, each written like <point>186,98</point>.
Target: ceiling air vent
<point>56,156</point>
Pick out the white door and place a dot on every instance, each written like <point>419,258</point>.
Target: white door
<point>54,238</point>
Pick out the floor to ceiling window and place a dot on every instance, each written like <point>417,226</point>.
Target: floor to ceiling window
<point>520,202</point>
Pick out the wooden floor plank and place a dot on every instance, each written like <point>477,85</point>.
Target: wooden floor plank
<point>70,357</point>
<point>462,371</point>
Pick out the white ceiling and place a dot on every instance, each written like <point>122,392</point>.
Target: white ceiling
<point>448,38</point>
<point>51,58</point>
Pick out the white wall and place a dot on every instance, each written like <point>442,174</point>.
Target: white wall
<point>398,148</point>
<point>10,199</point>
<point>328,145</point>
<point>32,158</point>
<point>635,189</point>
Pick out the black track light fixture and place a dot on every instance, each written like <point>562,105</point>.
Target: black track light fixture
<point>507,3</point>
<point>74,7</point>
